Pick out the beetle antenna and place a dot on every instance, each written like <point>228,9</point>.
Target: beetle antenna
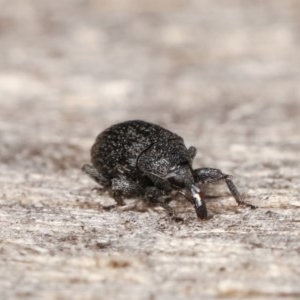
<point>199,204</point>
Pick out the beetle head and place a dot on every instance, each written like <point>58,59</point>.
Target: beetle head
<point>168,162</point>
<point>168,165</point>
<point>181,177</point>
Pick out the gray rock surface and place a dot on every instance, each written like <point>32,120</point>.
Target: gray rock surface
<point>222,74</point>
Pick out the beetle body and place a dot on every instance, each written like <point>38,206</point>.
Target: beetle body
<point>140,159</point>
<point>125,147</point>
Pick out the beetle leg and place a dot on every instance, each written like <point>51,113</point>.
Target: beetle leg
<point>210,175</point>
<point>164,204</point>
<point>192,152</point>
<point>156,196</point>
<point>152,193</point>
<point>94,174</point>
<point>237,196</point>
<point>122,187</point>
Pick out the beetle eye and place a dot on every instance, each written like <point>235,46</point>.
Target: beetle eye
<point>177,166</point>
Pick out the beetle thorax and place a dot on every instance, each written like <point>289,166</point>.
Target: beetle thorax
<point>167,161</point>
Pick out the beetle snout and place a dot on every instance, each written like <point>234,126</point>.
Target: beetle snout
<point>199,204</point>
<point>201,212</point>
<point>180,176</point>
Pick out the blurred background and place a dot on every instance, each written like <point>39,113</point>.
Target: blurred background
<point>206,69</point>
<point>73,67</point>
<point>223,74</point>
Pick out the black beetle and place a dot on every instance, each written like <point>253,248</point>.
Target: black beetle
<point>140,159</point>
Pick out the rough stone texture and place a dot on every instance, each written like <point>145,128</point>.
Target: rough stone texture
<point>223,74</point>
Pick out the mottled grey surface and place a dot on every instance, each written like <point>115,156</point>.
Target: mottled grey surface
<point>222,74</point>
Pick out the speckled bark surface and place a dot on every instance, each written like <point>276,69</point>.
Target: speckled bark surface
<point>225,76</point>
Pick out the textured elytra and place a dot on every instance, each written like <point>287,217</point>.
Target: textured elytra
<point>118,148</point>
<point>140,159</point>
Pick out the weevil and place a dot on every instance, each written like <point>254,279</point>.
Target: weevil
<point>141,159</point>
